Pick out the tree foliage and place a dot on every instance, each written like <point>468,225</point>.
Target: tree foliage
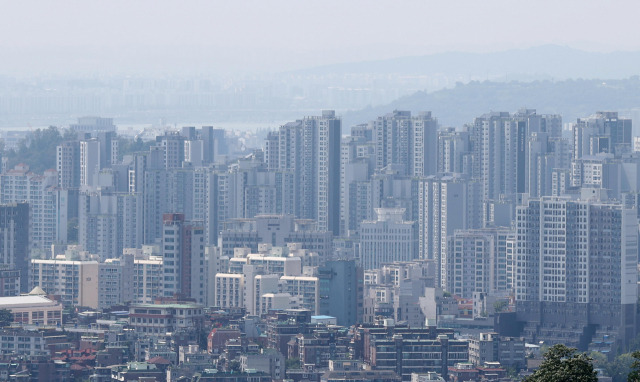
<point>234,366</point>
<point>619,368</point>
<point>562,363</point>
<point>38,150</point>
<point>500,306</point>
<point>129,146</point>
<point>6,317</point>
<point>203,338</point>
<point>292,363</point>
<point>634,375</point>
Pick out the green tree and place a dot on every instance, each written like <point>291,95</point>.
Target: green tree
<point>634,344</point>
<point>598,359</point>
<point>562,363</point>
<point>38,150</point>
<point>6,317</point>
<point>128,145</point>
<point>634,375</point>
<point>500,306</point>
<point>234,366</point>
<point>292,363</point>
<point>619,368</point>
<point>203,338</point>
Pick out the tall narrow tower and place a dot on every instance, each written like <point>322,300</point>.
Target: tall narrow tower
<point>183,258</point>
<point>309,151</point>
<point>14,239</point>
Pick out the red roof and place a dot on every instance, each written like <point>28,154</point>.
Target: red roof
<point>159,361</point>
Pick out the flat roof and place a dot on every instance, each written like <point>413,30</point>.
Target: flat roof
<point>169,305</point>
<point>24,301</point>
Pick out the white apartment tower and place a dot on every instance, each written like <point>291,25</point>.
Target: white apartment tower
<point>602,132</point>
<point>89,162</point>
<point>410,142</point>
<point>148,279</point>
<point>477,261</point>
<point>47,204</point>
<point>453,151</point>
<point>309,150</point>
<point>387,239</point>
<point>446,203</point>
<point>229,290</point>
<point>576,264</point>
<point>356,167</point>
<point>501,150</point>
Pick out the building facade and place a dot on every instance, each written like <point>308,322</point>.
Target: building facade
<point>14,241</point>
<point>576,269</point>
<point>387,239</point>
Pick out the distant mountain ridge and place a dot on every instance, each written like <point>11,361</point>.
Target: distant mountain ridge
<point>541,62</point>
<point>460,105</point>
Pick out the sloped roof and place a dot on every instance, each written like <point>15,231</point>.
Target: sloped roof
<point>37,291</point>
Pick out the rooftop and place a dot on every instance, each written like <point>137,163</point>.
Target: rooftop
<point>37,291</point>
<point>20,301</point>
<point>173,306</point>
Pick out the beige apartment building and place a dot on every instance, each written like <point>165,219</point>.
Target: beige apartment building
<point>33,309</point>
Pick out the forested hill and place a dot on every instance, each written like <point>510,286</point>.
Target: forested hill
<point>38,150</point>
<point>460,105</point>
<point>533,63</point>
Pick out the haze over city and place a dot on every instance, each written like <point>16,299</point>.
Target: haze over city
<point>203,37</point>
<point>320,191</point>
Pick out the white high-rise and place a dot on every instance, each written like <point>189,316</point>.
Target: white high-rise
<point>601,132</point>
<point>501,150</point>
<point>387,239</point>
<point>453,151</point>
<point>89,162</point>
<point>47,205</point>
<point>309,150</point>
<point>446,203</point>
<point>408,141</point>
<point>477,261</point>
<point>576,266</point>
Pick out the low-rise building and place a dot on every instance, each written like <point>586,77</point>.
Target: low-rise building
<point>159,319</point>
<point>463,371</point>
<point>360,375</point>
<point>426,377</point>
<point>490,347</point>
<point>135,371</point>
<point>270,361</point>
<point>33,309</point>
<point>410,350</point>
<point>16,342</point>
<point>213,375</point>
<point>217,339</point>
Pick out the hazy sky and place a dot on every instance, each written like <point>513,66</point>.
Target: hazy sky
<point>197,36</point>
